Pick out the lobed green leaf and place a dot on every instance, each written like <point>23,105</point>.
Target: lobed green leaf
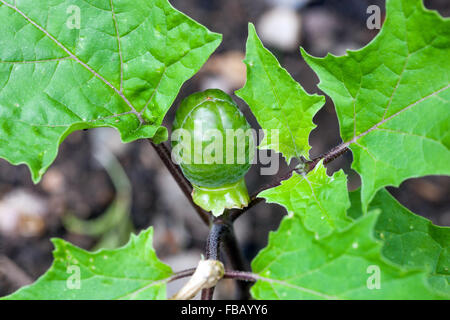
<point>131,272</point>
<point>319,200</point>
<point>283,109</point>
<point>392,98</point>
<point>122,67</point>
<point>296,265</point>
<point>408,239</point>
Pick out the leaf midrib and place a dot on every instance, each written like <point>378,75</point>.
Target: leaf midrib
<point>272,85</point>
<point>376,126</point>
<point>78,60</point>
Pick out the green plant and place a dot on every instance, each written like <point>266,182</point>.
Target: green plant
<point>391,97</point>
<point>215,171</point>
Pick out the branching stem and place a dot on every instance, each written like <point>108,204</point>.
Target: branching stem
<point>236,259</point>
<point>217,233</point>
<point>309,166</point>
<point>222,235</point>
<point>241,275</point>
<point>182,274</point>
<point>221,229</point>
<point>229,274</point>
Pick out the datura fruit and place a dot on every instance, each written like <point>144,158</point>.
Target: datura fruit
<point>214,145</point>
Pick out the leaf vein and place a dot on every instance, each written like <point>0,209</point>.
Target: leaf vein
<point>86,66</point>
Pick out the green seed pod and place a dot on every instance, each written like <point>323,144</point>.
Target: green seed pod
<point>213,144</point>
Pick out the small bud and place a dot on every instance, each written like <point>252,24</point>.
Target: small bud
<point>207,274</point>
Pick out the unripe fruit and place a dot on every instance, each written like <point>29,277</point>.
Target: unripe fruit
<point>213,144</point>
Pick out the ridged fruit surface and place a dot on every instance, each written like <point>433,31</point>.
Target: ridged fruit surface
<point>197,115</point>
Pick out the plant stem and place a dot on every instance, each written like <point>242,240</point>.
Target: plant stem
<point>222,235</point>
<point>331,155</point>
<point>216,235</point>
<point>177,174</point>
<point>229,274</point>
<point>221,229</point>
<point>237,261</point>
<point>240,275</point>
<point>182,274</point>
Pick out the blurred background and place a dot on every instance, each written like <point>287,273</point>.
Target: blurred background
<point>99,190</point>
